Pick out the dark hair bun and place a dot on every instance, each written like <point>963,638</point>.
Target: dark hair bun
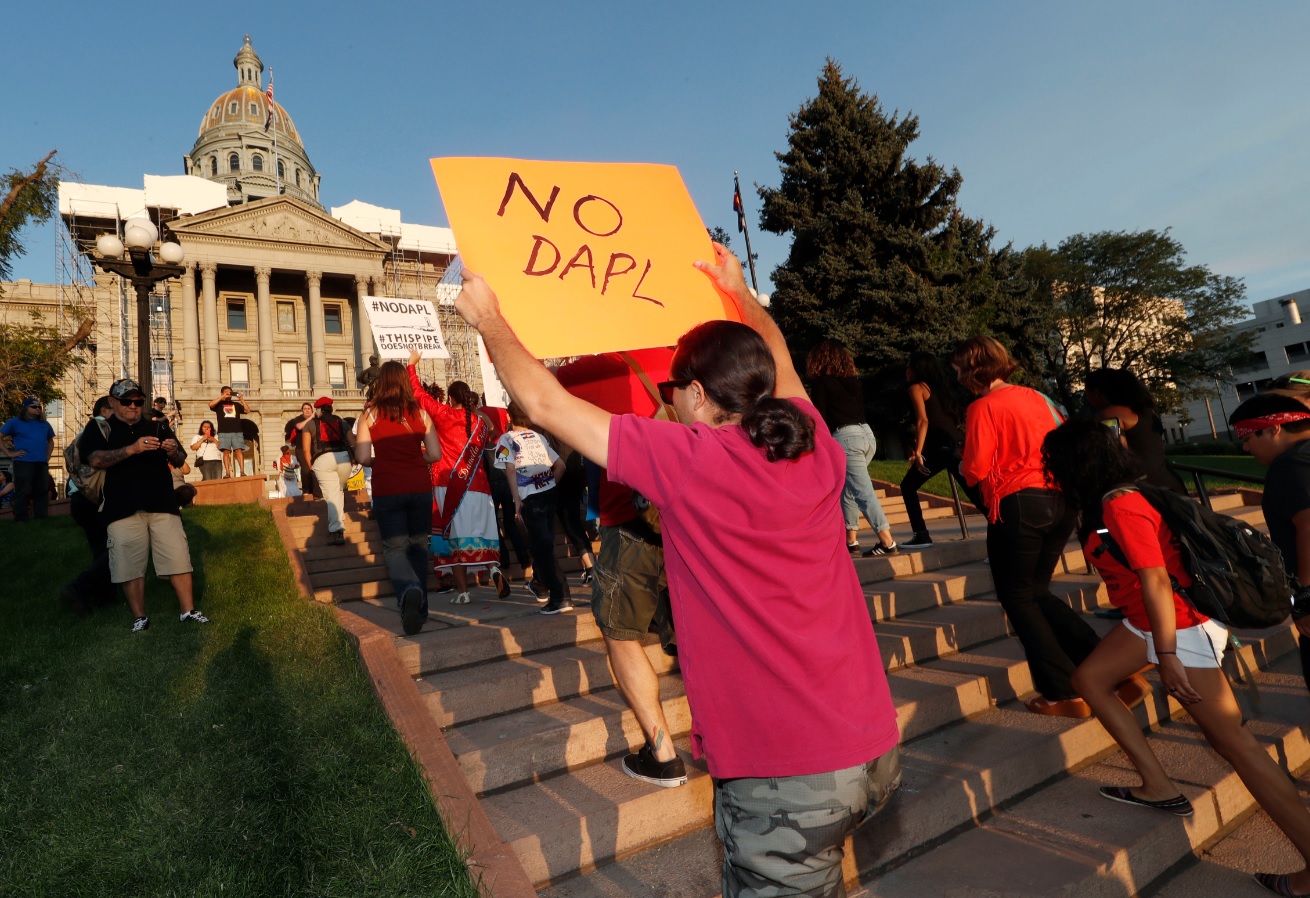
<point>779,427</point>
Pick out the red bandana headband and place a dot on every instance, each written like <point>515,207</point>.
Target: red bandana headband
<point>1244,429</point>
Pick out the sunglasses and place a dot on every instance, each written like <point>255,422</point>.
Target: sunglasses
<point>134,402</point>
<point>666,388</point>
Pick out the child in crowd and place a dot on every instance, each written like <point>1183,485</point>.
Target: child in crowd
<point>533,468</point>
<point>287,468</point>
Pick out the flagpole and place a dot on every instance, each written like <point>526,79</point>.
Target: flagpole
<point>277,172</point>
<point>741,226</point>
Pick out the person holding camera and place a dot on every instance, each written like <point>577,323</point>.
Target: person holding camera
<point>138,505</point>
<point>229,407</point>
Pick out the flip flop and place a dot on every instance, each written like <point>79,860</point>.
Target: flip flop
<point>1279,884</point>
<point>1178,806</point>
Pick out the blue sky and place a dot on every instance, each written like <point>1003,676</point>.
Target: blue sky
<point>1063,118</point>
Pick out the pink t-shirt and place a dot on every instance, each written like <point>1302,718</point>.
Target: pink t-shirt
<point>775,642</point>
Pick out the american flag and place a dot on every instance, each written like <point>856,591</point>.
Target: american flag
<point>736,200</point>
<point>268,122</point>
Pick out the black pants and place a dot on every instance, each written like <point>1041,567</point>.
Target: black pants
<point>31,479</point>
<point>1304,643</point>
<point>1024,547</point>
<point>539,518</point>
<point>569,494</point>
<point>93,586</point>
<point>939,453</point>
<point>511,534</point>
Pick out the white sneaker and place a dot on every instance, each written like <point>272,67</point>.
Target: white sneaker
<point>195,617</point>
<point>461,599</point>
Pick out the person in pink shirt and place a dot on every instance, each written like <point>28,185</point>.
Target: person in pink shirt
<point>790,705</point>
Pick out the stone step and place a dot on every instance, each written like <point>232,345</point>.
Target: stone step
<point>485,690</point>
<point>954,776</point>
<point>1067,840</point>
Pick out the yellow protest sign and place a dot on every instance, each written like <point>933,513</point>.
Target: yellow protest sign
<point>585,257</point>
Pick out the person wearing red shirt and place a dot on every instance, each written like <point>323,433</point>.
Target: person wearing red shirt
<point>1132,549</point>
<point>790,704</point>
<point>1028,522</point>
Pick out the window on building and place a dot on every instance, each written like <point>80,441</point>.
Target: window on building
<point>214,112</point>
<point>1254,362</point>
<point>1298,352</point>
<point>236,314</point>
<point>291,375</point>
<point>254,109</point>
<point>257,162</point>
<point>234,162</point>
<point>286,317</point>
<point>281,170</point>
<point>331,319</point>
<point>54,408</point>
<point>337,375</point>
<point>297,177</point>
<point>232,108</point>
<point>240,371</point>
<point>213,165</point>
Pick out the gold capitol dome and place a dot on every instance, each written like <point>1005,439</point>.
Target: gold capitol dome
<point>234,147</point>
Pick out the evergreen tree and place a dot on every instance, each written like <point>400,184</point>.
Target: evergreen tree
<point>881,257</point>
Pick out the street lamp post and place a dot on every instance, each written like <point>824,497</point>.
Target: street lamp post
<point>139,235</point>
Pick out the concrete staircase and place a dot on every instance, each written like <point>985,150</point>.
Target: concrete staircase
<point>996,801</point>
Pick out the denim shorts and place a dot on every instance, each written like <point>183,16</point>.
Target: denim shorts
<point>231,441</point>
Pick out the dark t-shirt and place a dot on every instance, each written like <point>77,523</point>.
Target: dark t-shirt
<point>229,415</point>
<point>840,400</point>
<point>141,482</point>
<point>1287,492</point>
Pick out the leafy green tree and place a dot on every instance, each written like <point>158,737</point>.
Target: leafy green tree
<point>881,256</point>
<point>33,357</point>
<point>30,198</point>
<point>1129,300</point>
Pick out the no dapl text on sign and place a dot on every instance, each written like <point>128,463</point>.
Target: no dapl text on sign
<point>585,257</point>
<point>400,325</point>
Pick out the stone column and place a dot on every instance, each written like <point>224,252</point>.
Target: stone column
<point>190,327</point>
<point>268,377</point>
<point>211,373</point>
<point>364,328</point>
<point>317,351</point>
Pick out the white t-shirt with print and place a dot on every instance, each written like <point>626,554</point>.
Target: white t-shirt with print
<point>532,459</point>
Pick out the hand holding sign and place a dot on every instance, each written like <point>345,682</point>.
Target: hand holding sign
<point>585,257</point>
<point>476,300</point>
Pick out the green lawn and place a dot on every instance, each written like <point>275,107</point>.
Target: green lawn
<point>894,470</point>
<point>246,757</point>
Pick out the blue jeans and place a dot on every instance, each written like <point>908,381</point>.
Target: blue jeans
<point>859,445</point>
<point>406,524</point>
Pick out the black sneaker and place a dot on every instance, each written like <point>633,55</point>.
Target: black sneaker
<point>140,624</point>
<point>563,607</point>
<point>853,548</point>
<point>193,616</point>
<point>587,577</point>
<point>411,610</point>
<point>666,774</point>
<point>920,540</point>
<point>880,549</point>
<point>539,590</point>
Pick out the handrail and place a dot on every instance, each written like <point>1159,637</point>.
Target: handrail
<point>959,507</point>
<point>1200,472</point>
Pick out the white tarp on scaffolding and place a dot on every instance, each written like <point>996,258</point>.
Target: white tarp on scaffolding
<point>185,193</point>
<point>386,222</point>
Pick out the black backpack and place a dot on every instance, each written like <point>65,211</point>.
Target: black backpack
<point>1238,575</point>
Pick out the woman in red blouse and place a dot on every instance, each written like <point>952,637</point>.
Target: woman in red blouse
<point>1132,549</point>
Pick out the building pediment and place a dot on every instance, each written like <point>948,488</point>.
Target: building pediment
<point>276,222</point>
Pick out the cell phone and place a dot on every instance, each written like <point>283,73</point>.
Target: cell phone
<point>1113,424</point>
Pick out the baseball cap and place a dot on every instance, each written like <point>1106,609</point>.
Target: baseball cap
<point>32,402</point>
<point>322,401</point>
<point>124,388</point>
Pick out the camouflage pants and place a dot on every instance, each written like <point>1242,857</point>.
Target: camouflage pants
<point>784,835</point>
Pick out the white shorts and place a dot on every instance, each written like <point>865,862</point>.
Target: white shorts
<point>1201,647</point>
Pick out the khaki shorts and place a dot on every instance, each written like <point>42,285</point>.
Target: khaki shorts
<point>630,586</point>
<point>132,540</point>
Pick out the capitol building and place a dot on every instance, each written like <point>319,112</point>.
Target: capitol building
<point>269,298</point>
